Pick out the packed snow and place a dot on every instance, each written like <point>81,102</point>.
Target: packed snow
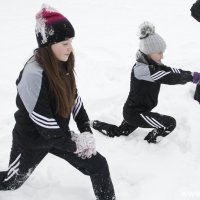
<point>105,45</point>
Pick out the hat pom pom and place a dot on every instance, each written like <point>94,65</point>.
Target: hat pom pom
<point>146,29</point>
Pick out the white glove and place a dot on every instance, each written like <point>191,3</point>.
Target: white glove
<point>85,144</point>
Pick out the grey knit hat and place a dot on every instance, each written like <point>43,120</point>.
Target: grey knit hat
<point>150,42</point>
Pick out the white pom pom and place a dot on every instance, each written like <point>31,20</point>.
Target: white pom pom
<point>48,8</point>
<point>146,29</point>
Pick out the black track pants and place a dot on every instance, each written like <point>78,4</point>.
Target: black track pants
<point>143,120</point>
<point>24,161</point>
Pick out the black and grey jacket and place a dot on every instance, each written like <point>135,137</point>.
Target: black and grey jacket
<point>37,124</point>
<point>146,79</point>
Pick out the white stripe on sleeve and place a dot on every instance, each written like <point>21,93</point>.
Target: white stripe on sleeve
<point>161,76</point>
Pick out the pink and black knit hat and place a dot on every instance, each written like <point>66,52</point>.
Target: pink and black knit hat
<point>52,27</point>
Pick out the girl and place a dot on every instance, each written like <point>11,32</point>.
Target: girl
<point>195,12</point>
<point>147,75</point>
<point>46,96</point>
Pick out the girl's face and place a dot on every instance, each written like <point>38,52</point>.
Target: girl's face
<point>62,49</point>
<point>157,57</point>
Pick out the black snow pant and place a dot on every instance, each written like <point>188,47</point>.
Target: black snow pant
<point>197,93</point>
<point>134,120</point>
<point>195,10</point>
<point>24,161</point>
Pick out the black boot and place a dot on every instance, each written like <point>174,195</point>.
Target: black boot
<point>105,128</point>
<point>111,130</point>
<point>152,136</point>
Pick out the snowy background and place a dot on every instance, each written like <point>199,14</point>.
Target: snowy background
<point>105,47</point>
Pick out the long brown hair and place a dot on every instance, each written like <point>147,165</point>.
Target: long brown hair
<point>61,79</point>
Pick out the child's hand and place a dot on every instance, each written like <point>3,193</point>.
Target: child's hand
<point>85,144</point>
<point>196,78</point>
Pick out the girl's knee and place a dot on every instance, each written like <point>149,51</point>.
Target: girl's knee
<point>172,124</point>
<point>100,166</point>
<point>102,163</point>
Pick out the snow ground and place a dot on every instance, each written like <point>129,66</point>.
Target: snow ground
<point>105,47</point>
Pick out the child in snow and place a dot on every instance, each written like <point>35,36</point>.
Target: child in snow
<point>147,75</point>
<point>195,12</point>
<point>46,96</point>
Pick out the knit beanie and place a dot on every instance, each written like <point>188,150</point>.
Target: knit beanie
<point>150,41</point>
<point>52,27</point>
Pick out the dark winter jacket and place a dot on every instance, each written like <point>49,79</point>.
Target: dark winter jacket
<point>37,124</point>
<point>146,79</point>
<point>195,10</point>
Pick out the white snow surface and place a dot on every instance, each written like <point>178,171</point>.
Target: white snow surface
<point>105,45</point>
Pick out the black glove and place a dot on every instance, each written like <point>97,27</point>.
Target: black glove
<point>195,10</point>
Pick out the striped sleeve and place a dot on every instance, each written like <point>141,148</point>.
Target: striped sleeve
<point>158,75</point>
<point>77,106</point>
<point>169,75</point>
<point>161,74</point>
<point>80,115</point>
<point>174,70</point>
